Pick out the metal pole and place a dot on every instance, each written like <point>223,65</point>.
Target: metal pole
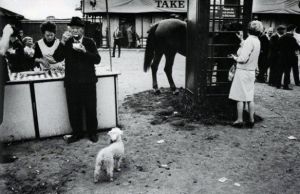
<point>108,34</point>
<point>142,35</point>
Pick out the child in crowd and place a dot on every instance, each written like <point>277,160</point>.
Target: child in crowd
<point>28,46</point>
<point>28,52</point>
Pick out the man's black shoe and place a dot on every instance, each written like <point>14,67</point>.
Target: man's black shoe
<point>72,138</point>
<point>4,159</point>
<point>287,88</point>
<point>259,80</point>
<point>93,138</point>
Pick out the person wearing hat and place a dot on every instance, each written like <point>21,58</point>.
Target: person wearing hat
<point>80,54</point>
<point>45,47</point>
<point>288,57</point>
<point>274,55</point>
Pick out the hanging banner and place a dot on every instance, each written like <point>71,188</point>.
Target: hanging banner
<point>134,6</point>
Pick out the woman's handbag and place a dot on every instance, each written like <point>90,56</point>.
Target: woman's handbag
<point>231,72</point>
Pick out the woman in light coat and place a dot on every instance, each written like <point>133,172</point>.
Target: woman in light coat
<point>242,88</point>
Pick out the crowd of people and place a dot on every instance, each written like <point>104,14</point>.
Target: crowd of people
<point>274,54</point>
<point>129,35</point>
<point>25,55</point>
<point>278,56</point>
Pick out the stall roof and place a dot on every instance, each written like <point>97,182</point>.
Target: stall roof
<point>7,13</point>
<point>276,6</point>
<point>134,6</point>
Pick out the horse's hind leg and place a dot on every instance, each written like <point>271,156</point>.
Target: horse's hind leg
<point>154,68</point>
<point>168,70</point>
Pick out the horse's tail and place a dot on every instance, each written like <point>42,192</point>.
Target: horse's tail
<point>149,52</point>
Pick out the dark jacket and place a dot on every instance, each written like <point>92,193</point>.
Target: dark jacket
<point>264,45</point>
<point>17,61</point>
<point>79,67</point>
<point>288,45</point>
<point>274,48</point>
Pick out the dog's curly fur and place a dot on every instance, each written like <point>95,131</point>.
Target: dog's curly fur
<point>110,157</point>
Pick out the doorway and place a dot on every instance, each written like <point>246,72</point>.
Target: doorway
<point>127,26</point>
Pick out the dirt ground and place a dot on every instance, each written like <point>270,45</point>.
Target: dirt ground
<point>193,157</point>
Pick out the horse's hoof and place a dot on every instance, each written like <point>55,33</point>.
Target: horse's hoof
<point>176,92</point>
<point>157,92</point>
<point>118,169</point>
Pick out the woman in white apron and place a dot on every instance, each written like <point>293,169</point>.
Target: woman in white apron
<point>242,88</point>
<point>45,47</point>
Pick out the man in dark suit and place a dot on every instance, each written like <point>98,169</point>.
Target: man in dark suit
<point>288,57</point>
<point>274,55</point>
<point>80,54</point>
<point>263,62</point>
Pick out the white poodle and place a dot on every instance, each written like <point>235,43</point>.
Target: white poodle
<point>110,157</point>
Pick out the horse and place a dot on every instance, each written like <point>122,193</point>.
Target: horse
<point>166,37</point>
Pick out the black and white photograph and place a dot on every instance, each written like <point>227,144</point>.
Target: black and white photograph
<point>149,96</point>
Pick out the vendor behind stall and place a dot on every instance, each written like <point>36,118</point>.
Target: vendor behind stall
<point>45,47</point>
<point>15,55</point>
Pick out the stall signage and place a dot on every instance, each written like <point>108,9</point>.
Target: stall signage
<point>229,12</point>
<point>225,12</point>
<point>134,6</point>
<point>170,4</point>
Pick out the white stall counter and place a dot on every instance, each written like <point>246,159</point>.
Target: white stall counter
<point>35,105</point>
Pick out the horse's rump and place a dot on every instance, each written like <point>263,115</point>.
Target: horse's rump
<point>165,36</point>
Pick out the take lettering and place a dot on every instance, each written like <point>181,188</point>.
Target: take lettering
<point>170,4</point>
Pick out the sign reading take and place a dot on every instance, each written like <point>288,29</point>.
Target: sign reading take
<point>170,4</point>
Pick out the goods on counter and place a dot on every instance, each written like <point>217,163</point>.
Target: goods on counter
<point>26,73</point>
<point>36,75</point>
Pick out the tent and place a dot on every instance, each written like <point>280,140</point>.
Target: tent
<point>276,6</point>
<point>7,13</point>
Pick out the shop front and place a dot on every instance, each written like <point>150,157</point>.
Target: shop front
<point>134,15</point>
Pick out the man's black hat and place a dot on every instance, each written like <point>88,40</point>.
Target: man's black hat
<point>76,21</point>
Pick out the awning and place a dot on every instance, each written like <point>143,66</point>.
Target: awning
<point>276,6</point>
<point>134,6</point>
<point>180,6</point>
<point>7,13</point>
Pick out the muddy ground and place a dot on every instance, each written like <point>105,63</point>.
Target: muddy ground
<point>195,154</point>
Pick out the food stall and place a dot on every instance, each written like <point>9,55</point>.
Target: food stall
<point>35,105</point>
